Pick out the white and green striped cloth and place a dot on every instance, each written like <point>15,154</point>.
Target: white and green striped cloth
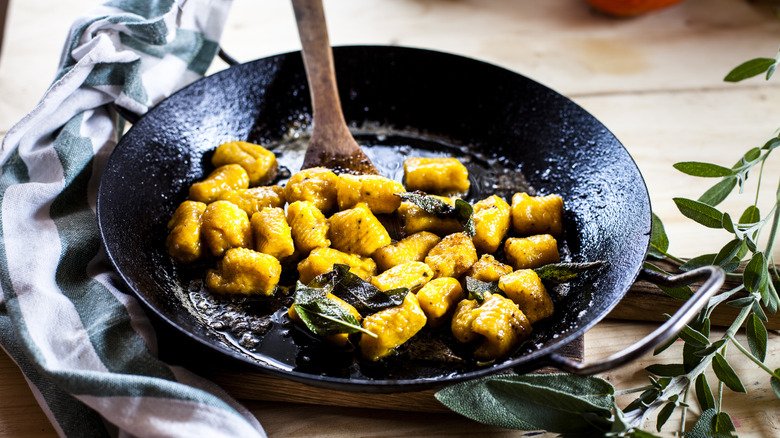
<point>84,345</point>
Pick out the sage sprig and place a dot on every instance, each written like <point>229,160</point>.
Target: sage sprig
<point>755,294</point>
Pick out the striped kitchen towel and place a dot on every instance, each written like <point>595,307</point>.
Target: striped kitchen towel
<point>84,345</point>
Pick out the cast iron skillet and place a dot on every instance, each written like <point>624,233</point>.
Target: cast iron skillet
<point>501,116</point>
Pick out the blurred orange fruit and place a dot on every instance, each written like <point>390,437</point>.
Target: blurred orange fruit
<point>627,8</point>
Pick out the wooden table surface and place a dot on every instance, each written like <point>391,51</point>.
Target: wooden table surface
<point>655,81</point>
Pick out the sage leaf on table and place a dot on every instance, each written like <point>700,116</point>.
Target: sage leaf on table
<point>559,403</point>
<point>775,382</point>
<point>664,415</point>
<point>712,423</point>
<point>757,337</point>
<point>704,393</point>
<point>726,373</point>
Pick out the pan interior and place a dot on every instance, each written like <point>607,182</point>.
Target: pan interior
<point>397,100</point>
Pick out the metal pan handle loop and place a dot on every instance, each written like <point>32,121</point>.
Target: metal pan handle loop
<point>714,280</point>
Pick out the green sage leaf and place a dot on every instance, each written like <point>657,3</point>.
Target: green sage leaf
<point>751,215</point>
<point>748,69</point>
<point>557,403</point>
<point>726,374</point>
<point>704,426</point>
<point>564,272</point>
<point>700,212</point>
<point>751,244</point>
<point>460,210</point>
<point>770,71</point>
<point>666,370</point>
<point>704,170</point>
<point>698,262</point>
<point>645,399</point>
<point>693,337</point>
<point>680,293</point>
<point>725,257</point>
<point>755,273</point>
<point>771,144</point>
<point>752,155</point>
<point>727,223</point>
<point>757,337</point>
<point>759,312</point>
<point>690,357</point>
<point>775,383</point>
<point>718,192</point>
<point>723,424</point>
<point>704,393</point>
<point>659,241</point>
<point>664,415</point>
<point>742,302</point>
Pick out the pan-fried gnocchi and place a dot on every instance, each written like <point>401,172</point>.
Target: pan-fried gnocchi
<point>251,229</point>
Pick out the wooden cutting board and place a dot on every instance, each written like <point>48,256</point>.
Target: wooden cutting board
<point>265,387</point>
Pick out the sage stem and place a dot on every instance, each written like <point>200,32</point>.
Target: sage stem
<point>770,244</point>
<point>751,357</point>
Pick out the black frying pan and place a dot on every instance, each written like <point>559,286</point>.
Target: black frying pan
<point>495,118</point>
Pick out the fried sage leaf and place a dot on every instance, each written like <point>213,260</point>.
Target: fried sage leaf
<point>360,294</point>
<point>564,272</point>
<point>476,289</point>
<point>461,210</point>
<point>322,314</point>
<point>428,203</point>
<point>464,212</point>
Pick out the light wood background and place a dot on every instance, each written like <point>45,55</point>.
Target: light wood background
<point>655,80</point>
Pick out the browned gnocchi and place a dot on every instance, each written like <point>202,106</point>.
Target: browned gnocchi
<point>319,223</point>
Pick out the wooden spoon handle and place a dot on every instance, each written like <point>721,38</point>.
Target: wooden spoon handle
<point>318,60</point>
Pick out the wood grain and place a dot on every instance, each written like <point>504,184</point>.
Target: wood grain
<point>259,386</point>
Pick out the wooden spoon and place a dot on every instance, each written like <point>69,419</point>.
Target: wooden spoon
<point>331,144</point>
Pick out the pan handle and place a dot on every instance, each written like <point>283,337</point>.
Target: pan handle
<point>714,280</point>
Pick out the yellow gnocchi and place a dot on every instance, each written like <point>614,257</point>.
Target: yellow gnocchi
<point>249,227</point>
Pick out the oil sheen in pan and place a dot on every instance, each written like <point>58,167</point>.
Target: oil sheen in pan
<point>258,328</point>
